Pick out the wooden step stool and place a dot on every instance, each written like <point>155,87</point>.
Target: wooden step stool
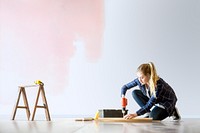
<point>26,106</point>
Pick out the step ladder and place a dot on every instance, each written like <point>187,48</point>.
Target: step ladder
<point>26,106</point>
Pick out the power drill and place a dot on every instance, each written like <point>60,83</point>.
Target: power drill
<point>124,104</point>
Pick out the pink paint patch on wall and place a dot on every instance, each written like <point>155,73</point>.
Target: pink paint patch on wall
<point>37,37</point>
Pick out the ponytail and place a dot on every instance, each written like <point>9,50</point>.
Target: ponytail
<point>153,79</point>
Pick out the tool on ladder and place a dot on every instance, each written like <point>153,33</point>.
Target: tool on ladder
<point>39,82</point>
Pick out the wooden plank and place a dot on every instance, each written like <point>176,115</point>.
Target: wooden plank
<point>25,86</point>
<point>125,120</point>
<point>85,119</point>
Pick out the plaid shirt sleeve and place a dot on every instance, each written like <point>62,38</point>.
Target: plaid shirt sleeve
<point>129,85</point>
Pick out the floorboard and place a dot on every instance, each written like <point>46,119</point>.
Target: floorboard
<point>69,125</point>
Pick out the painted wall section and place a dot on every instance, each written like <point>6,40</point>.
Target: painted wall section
<point>37,39</point>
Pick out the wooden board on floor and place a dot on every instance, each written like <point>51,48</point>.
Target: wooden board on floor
<point>84,119</point>
<point>143,120</point>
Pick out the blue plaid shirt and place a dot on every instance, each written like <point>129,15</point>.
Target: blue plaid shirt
<point>165,96</point>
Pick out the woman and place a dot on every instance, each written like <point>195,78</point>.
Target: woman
<point>155,97</point>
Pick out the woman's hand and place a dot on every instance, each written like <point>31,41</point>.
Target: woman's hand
<point>130,116</point>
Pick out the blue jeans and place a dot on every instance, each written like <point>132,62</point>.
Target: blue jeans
<point>157,113</point>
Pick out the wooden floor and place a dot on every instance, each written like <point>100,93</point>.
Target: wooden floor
<point>69,125</point>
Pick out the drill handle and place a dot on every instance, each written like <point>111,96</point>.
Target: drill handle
<point>124,101</point>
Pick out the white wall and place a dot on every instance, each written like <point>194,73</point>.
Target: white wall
<point>165,32</point>
<point>136,31</point>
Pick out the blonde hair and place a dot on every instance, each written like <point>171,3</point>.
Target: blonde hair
<point>149,69</point>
